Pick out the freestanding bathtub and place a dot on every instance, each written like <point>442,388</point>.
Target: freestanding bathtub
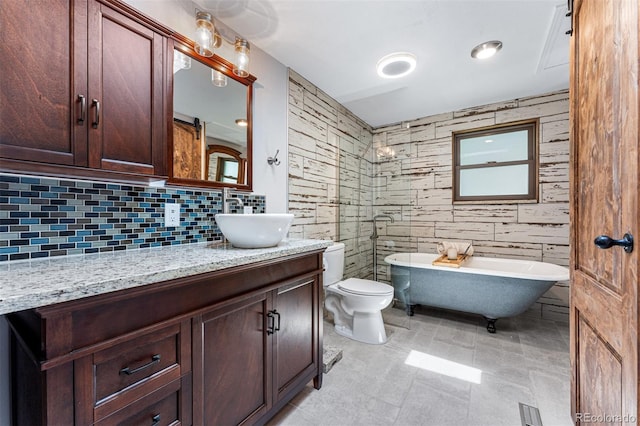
<point>492,287</point>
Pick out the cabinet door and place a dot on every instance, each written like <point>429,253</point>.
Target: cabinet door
<point>43,71</point>
<point>126,99</point>
<point>231,364</point>
<point>296,342</point>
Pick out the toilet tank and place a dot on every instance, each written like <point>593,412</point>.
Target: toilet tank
<point>333,264</point>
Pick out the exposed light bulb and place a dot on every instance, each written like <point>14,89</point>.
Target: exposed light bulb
<point>203,43</point>
<point>241,67</point>
<point>218,79</point>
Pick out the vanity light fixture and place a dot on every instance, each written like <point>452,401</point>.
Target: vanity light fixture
<point>218,79</point>
<point>208,38</point>
<point>205,34</point>
<point>396,65</point>
<point>486,50</point>
<point>242,122</point>
<point>241,66</point>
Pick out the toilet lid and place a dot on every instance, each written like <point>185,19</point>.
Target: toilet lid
<point>365,287</point>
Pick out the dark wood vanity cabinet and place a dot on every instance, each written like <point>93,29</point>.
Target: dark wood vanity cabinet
<point>83,87</point>
<point>265,345</point>
<point>226,347</point>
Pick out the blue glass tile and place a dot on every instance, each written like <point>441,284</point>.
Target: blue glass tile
<point>75,239</point>
<point>39,241</point>
<point>8,250</point>
<point>29,180</point>
<point>19,200</point>
<point>18,214</point>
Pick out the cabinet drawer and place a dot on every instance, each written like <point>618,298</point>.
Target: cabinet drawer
<point>134,361</point>
<point>160,408</point>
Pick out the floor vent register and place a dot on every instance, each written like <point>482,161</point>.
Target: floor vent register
<point>529,415</point>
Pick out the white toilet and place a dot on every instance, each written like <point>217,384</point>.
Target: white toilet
<point>355,303</point>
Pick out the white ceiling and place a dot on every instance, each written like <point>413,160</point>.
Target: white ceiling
<point>336,44</point>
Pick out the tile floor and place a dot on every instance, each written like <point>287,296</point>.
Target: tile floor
<point>526,361</point>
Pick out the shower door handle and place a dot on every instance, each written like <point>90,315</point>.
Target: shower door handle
<point>605,242</point>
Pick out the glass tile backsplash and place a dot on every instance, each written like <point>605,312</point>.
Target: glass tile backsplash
<point>43,217</point>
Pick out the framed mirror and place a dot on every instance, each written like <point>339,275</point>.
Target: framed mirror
<point>210,140</point>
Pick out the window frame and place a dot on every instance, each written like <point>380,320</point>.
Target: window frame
<point>532,128</point>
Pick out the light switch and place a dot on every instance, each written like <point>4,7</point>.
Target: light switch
<point>171,214</point>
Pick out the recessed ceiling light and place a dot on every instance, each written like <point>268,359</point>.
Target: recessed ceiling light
<point>242,122</point>
<point>396,65</point>
<point>486,49</point>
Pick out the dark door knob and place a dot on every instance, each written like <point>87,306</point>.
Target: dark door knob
<point>605,242</point>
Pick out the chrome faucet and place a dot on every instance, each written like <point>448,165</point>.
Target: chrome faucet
<point>377,217</point>
<point>226,200</point>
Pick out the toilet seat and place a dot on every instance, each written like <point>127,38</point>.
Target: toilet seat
<point>365,287</point>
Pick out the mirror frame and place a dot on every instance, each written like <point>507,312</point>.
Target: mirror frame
<point>186,46</point>
<point>229,152</point>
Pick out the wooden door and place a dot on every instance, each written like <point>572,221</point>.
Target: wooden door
<point>604,287</point>
<point>43,81</point>
<point>232,364</point>
<point>126,94</point>
<point>295,345</point>
<point>187,152</point>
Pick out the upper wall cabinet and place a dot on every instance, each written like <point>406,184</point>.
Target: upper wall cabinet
<point>211,141</point>
<point>83,88</point>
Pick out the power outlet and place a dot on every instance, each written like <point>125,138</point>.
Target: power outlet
<point>171,214</point>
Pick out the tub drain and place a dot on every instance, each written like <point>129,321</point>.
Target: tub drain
<point>529,415</point>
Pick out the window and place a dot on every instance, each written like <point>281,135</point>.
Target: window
<point>496,164</point>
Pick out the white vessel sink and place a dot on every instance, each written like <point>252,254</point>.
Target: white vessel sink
<point>254,230</point>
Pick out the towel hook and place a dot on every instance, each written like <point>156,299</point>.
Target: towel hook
<point>274,160</point>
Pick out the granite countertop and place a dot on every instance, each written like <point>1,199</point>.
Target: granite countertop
<point>36,283</point>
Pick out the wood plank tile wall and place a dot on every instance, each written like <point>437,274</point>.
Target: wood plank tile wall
<point>335,176</point>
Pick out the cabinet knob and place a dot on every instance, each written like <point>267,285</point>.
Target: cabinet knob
<point>155,420</point>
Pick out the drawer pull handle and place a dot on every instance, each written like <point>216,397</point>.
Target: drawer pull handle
<point>271,322</point>
<point>96,122</point>
<point>277,325</point>
<point>83,108</point>
<point>156,420</point>
<point>128,371</point>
